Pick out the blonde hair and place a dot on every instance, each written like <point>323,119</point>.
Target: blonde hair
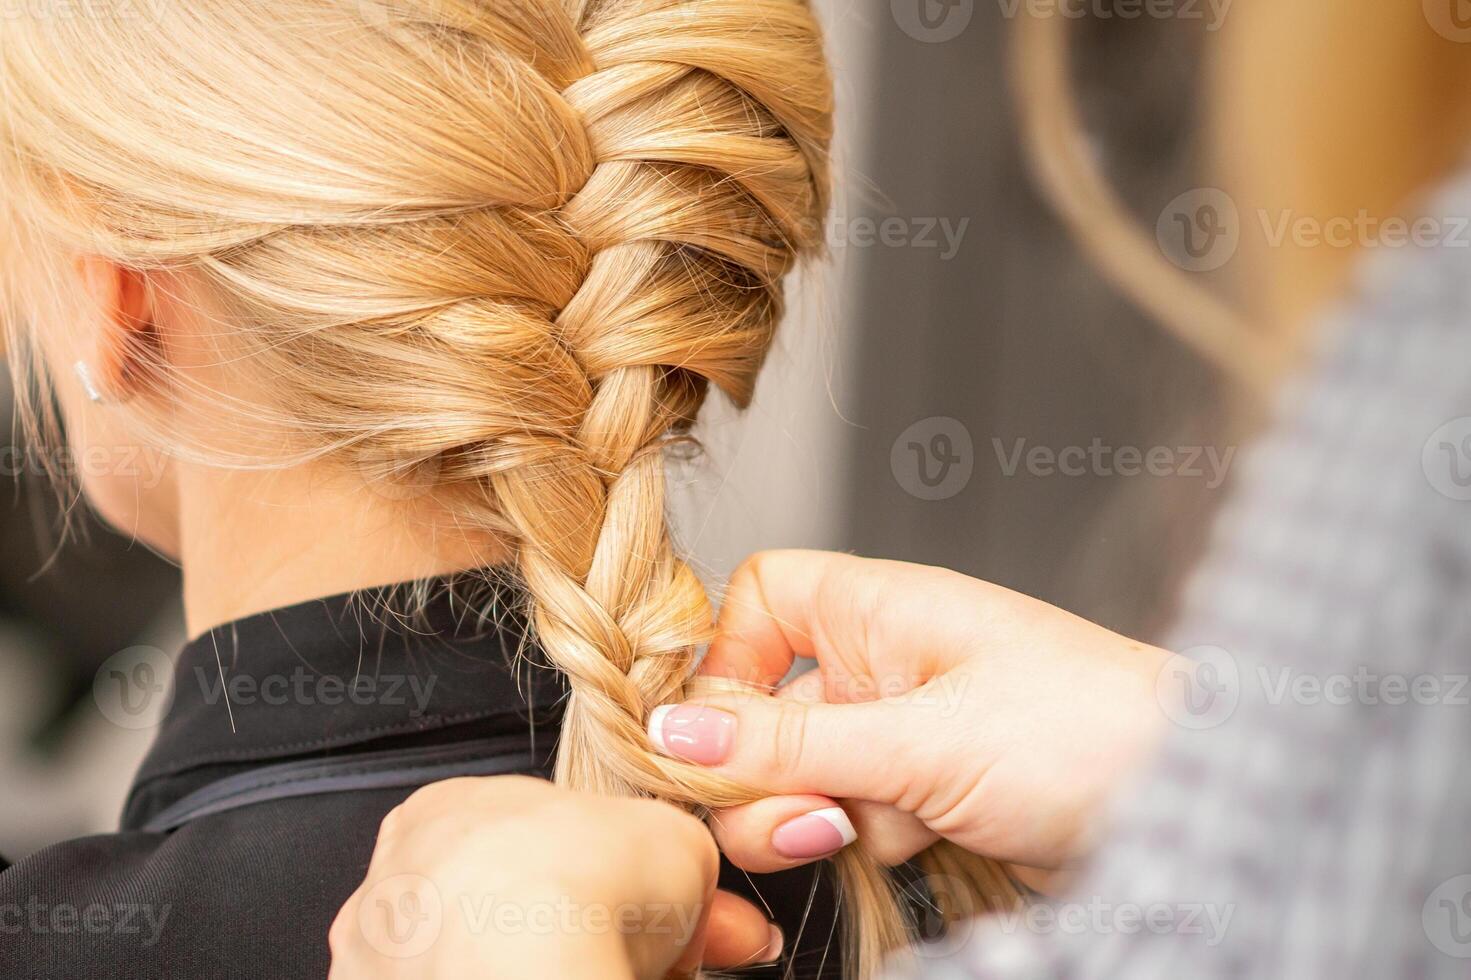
<point>1318,108</point>
<point>508,243</point>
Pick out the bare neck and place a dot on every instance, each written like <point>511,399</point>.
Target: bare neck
<point>255,541</point>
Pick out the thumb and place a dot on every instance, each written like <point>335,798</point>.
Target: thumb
<point>873,750</point>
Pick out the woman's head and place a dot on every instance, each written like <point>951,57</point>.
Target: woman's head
<point>478,262</point>
<point>486,258</point>
<point>506,245</point>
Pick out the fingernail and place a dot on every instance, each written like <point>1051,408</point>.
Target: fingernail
<point>774,946</point>
<point>813,835</point>
<point>693,732</point>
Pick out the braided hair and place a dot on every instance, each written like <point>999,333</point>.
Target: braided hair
<point>507,244</point>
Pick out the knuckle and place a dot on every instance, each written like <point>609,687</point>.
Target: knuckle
<point>511,795</point>
<point>747,576</point>
<point>339,935</point>
<point>759,567</point>
<point>424,799</point>
<point>888,853</point>
<point>516,782</point>
<point>692,837</point>
<point>392,821</point>
<point>753,562</point>
<point>789,737</point>
<point>446,791</point>
<point>692,829</point>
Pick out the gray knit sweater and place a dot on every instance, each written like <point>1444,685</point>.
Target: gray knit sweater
<point>1311,815</point>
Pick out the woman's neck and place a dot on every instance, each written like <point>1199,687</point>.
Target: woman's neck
<point>254,541</point>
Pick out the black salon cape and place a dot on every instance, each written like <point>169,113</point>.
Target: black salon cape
<point>251,892</point>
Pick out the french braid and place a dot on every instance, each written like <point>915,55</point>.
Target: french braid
<point>510,244</point>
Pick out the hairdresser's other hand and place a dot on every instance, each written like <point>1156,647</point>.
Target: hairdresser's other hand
<point>511,877</point>
<point>941,706</point>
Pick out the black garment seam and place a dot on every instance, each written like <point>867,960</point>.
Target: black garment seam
<point>350,737</point>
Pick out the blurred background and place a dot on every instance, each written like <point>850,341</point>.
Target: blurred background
<point>957,385</point>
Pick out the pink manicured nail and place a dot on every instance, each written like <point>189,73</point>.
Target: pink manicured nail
<point>693,732</point>
<point>814,835</point>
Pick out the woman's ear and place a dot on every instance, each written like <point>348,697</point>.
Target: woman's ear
<point>123,352</point>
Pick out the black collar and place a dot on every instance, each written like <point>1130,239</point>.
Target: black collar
<point>330,675</point>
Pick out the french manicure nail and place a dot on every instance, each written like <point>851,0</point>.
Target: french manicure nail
<point>774,945</point>
<point>693,732</point>
<point>813,835</point>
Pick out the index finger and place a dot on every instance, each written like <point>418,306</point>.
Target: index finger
<point>758,637</point>
<point>781,605</point>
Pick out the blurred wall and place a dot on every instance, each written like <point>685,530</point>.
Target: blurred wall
<point>65,608</point>
<point>1007,388</point>
<point>776,476</point>
<point>957,340</point>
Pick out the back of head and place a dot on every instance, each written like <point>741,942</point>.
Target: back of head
<point>509,244</point>
<point>514,241</point>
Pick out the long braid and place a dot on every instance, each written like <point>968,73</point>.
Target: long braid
<point>697,205</point>
<point>691,230</point>
<point>509,245</point>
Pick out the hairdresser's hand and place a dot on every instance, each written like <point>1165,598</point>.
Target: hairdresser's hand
<point>511,877</point>
<point>941,707</point>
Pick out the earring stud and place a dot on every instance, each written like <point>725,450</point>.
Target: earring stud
<point>84,375</point>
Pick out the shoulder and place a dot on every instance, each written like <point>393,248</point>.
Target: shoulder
<point>242,894</point>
